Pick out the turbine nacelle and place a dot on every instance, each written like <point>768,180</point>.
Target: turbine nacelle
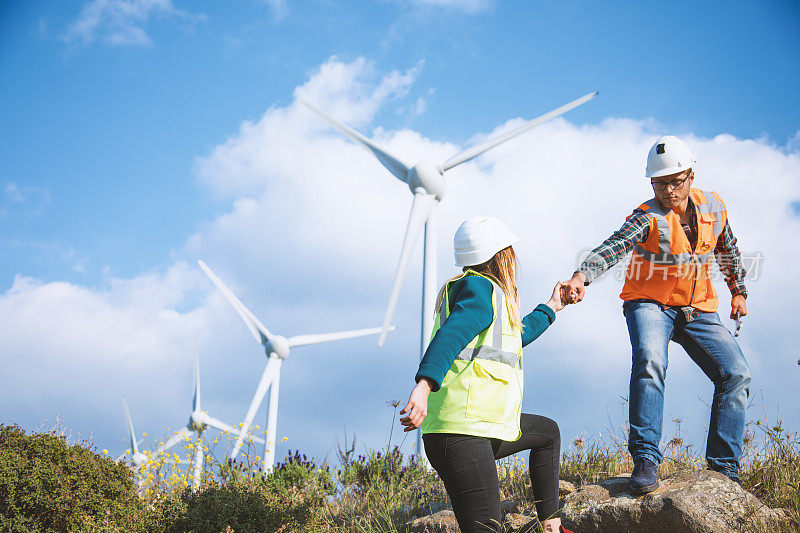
<point>198,421</point>
<point>428,176</point>
<point>138,459</point>
<point>278,345</point>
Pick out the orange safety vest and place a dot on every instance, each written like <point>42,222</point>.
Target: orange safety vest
<point>664,268</point>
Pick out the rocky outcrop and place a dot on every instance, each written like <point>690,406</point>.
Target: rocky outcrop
<point>689,501</point>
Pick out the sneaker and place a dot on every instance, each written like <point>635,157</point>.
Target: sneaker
<point>645,476</point>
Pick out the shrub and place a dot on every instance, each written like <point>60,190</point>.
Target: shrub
<point>381,490</point>
<point>48,485</point>
<point>771,470</point>
<point>238,508</point>
<point>301,477</point>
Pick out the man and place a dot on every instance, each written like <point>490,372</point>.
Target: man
<point>668,295</point>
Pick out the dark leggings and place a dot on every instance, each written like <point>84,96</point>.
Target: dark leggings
<point>467,467</point>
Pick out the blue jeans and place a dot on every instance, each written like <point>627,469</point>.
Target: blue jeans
<point>712,347</point>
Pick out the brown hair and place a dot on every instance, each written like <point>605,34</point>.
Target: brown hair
<point>502,269</point>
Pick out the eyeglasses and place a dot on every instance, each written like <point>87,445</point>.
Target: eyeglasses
<point>660,185</point>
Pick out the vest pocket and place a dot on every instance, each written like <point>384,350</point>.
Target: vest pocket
<point>705,233</point>
<point>488,390</point>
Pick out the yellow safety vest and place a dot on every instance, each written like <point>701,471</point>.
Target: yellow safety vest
<point>481,394</point>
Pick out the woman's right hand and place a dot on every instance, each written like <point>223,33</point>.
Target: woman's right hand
<point>417,406</point>
<point>559,299</point>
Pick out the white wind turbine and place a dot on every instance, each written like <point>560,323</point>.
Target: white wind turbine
<point>426,181</point>
<point>199,421</point>
<point>137,457</point>
<point>277,348</point>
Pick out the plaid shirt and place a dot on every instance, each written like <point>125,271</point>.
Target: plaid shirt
<point>636,229</point>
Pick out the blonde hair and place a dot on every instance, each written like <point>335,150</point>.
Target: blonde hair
<point>502,269</point>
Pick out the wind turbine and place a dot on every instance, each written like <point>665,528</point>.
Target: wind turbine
<point>199,421</point>
<point>277,348</point>
<point>137,457</point>
<point>427,184</point>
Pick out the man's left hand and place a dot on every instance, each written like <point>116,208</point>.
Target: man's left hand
<point>738,307</point>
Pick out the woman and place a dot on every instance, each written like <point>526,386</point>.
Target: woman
<point>468,396</point>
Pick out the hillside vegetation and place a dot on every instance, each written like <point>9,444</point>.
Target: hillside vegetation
<point>48,484</point>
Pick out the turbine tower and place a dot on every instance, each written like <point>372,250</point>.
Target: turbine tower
<point>427,184</point>
<point>277,349</point>
<point>199,421</point>
<point>137,457</point>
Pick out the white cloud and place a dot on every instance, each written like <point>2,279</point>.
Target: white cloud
<point>280,8</point>
<point>23,200</point>
<point>121,22</point>
<point>468,6</point>
<point>349,91</point>
<point>310,243</point>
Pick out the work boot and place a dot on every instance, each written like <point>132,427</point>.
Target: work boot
<point>645,476</point>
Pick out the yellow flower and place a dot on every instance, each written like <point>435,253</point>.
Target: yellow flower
<point>105,452</point>
<point>144,434</point>
<point>285,439</point>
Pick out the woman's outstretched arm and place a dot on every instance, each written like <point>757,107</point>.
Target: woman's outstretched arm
<point>538,320</point>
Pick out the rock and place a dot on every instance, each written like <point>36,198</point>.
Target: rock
<point>565,487</point>
<point>689,501</point>
<point>441,522</point>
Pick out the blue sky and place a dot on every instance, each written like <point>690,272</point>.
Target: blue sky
<point>140,135</point>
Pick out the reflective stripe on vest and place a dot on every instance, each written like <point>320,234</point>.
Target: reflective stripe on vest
<point>481,393</point>
<point>660,266</point>
<point>490,352</point>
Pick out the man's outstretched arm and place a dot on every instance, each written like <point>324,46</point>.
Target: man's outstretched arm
<point>635,230</point>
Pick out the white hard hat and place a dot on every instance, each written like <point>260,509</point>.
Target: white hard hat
<point>669,155</point>
<point>479,238</point>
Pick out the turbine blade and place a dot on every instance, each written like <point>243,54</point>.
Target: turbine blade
<point>305,340</point>
<point>259,331</point>
<point>477,150</point>
<point>270,372</point>
<point>222,426</point>
<point>196,396</point>
<point>394,165</point>
<point>175,439</point>
<point>420,210</point>
<point>131,433</point>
